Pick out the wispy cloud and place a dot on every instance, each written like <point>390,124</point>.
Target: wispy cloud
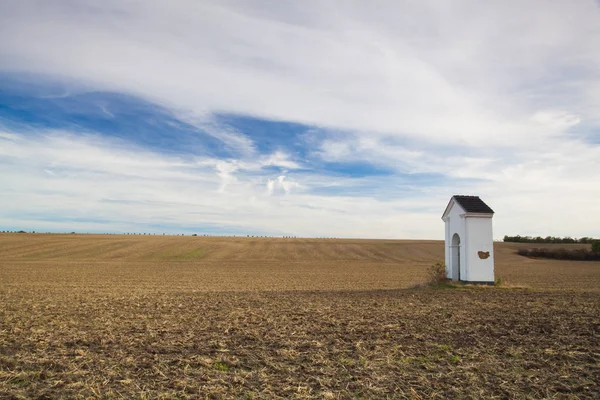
<point>301,120</point>
<point>92,178</point>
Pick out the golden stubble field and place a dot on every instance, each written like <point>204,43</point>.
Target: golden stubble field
<point>115,316</point>
<point>248,264</point>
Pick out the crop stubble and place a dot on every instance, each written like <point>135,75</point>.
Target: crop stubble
<point>188,317</point>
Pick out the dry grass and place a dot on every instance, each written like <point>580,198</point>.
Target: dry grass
<point>196,317</point>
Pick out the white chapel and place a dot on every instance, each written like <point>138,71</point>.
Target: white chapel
<point>469,240</point>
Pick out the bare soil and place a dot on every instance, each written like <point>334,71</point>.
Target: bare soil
<point>103,316</point>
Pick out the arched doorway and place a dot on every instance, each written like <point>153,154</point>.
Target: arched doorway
<point>455,257</point>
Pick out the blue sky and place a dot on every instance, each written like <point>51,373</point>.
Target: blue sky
<point>337,119</point>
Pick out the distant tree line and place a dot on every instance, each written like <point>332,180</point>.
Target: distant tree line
<point>548,239</point>
<point>561,254</point>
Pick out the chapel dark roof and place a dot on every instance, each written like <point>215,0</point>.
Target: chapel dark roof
<point>473,204</point>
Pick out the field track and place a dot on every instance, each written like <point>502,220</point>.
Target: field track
<point>165,317</point>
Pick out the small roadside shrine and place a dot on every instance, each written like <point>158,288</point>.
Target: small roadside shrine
<point>469,240</point>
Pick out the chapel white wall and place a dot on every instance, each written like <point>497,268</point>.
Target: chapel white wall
<point>480,238</point>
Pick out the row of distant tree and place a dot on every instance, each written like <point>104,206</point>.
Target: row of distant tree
<point>165,234</point>
<point>562,254</point>
<point>548,239</point>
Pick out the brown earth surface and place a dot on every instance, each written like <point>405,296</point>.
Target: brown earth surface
<point>118,316</point>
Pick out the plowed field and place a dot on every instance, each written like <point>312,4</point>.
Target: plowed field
<point>106,316</point>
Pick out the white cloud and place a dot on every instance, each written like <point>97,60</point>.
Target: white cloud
<point>120,188</point>
<point>9,136</point>
<point>282,185</point>
<point>279,159</point>
<point>225,171</point>
<point>556,121</point>
<point>491,95</point>
<point>468,71</point>
<point>92,179</point>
